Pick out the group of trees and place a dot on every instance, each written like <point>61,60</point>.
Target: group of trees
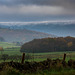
<point>49,45</point>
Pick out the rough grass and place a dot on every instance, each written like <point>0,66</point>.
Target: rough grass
<point>11,71</point>
<point>41,56</point>
<point>55,72</point>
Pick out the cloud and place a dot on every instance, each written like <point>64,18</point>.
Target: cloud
<point>31,9</point>
<point>67,4</point>
<point>38,22</point>
<point>64,3</point>
<point>45,8</point>
<point>34,9</point>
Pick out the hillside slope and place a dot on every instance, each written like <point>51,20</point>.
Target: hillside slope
<point>21,35</point>
<point>58,29</point>
<point>55,28</point>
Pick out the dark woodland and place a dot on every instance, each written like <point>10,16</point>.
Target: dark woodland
<point>49,45</point>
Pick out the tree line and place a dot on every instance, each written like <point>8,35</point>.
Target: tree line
<point>49,45</point>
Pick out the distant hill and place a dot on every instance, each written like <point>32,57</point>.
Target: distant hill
<point>60,28</point>
<point>21,35</point>
<point>49,45</point>
<point>55,28</point>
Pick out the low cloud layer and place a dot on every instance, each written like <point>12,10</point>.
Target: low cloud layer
<point>38,22</point>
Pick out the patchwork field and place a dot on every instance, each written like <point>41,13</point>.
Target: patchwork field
<point>11,52</point>
<point>7,45</point>
<point>14,50</point>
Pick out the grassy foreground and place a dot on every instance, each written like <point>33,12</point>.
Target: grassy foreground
<point>55,72</point>
<point>12,49</point>
<point>13,70</point>
<point>45,72</point>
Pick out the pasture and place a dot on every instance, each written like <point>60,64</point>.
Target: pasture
<point>40,56</point>
<point>13,49</point>
<point>7,45</point>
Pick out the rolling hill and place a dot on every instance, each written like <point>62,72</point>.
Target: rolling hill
<point>21,35</point>
<point>25,32</point>
<point>58,28</point>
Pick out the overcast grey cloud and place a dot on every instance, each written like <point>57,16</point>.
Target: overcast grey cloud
<point>36,8</point>
<point>65,3</point>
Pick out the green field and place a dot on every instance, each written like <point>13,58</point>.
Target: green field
<point>41,56</point>
<point>12,49</point>
<point>7,45</point>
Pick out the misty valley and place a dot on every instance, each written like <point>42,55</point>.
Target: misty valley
<point>35,50</point>
<point>37,37</point>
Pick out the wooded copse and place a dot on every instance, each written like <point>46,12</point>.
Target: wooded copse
<point>49,45</point>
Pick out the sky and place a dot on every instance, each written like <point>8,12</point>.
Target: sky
<point>36,10</point>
